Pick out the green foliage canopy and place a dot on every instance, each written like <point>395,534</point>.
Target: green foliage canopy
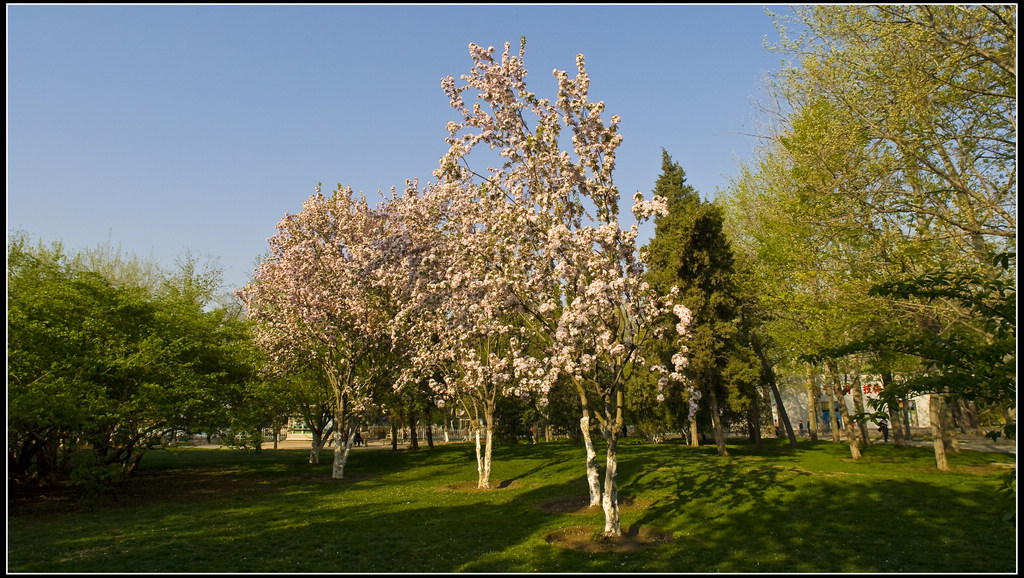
<point>111,368</point>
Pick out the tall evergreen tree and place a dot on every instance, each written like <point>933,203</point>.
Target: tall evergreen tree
<point>689,250</point>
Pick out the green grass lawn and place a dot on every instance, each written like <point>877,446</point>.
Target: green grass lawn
<point>774,510</point>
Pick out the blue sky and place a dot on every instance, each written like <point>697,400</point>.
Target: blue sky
<point>164,129</point>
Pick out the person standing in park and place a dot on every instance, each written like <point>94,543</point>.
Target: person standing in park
<point>800,428</point>
<point>883,427</point>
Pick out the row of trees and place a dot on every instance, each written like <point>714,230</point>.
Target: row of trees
<point>875,230</point>
<point>483,285</point>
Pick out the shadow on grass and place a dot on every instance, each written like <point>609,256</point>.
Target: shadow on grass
<point>772,510</point>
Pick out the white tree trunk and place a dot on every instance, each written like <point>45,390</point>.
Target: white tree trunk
<point>483,459</point>
<point>612,527</point>
<point>479,459</point>
<point>488,446</point>
<point>341,449</point>
<point>593,477</point>
<point>340,455</point>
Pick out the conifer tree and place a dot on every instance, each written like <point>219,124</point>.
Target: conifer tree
<point>689,250</point>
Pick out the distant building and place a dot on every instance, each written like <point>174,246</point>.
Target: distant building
<point>795,399</point>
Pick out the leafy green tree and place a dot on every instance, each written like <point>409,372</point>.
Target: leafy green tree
<point>46,310</point>
<point>913,110</point>
<point>804,275</point>
<point>115,369</point>
<point>917,124</point>
<point>893,166</point>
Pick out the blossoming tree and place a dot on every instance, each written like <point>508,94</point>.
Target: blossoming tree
<point>462,323</point>
<point>322,296</point>
<point>539,249</point>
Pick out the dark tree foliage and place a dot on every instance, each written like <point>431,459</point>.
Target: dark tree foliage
<point>690,251</point>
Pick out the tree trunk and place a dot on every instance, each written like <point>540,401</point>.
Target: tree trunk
<point>905,414</point>
<point>898,439</point>
<point>858,404</point>
<point>769,374</point>
<point>935,412</point>
<point>833,413</point>
<point>413,441</point>
<point>483,459</point>
<point>610,500</point>
<point>338,469</point>
<point>961,415</point>
<point>852,433</point>
<point>970,413</point>
<point>488,443</point>
<point>275,423</point>
<point>316,445</point>
<point>812,405</point>
<point>342,444</point>
<point>893,413</point>
<point>593,477</point>
<point>339,386</point>
<point>851,428</point>
<point>949,439</point>
<point>755,421</point>
<point>479,458</point>
<point>429,433</point>
<point>716,425</point>
<point>394,437</point>
<point>488,449</point>
<point>694,442</point>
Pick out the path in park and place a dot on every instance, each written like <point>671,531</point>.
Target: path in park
<point>921,437</point>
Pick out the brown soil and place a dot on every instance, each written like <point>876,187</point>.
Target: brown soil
<point>472,487</point>
<point>588,539</point>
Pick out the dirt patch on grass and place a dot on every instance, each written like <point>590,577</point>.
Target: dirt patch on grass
<point>985,469</point>
<point>588,539</point>
<point>472,486</point>
<point>580,504</point>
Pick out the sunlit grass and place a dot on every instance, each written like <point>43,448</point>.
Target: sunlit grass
<point>771,510</point>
